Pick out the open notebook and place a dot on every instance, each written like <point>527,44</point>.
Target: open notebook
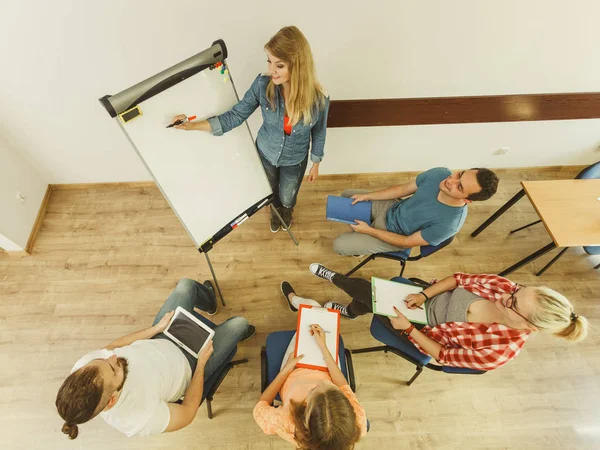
<point>387,294</point>
<point>306,345</point>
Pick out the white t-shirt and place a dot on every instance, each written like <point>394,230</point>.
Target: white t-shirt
<point>158,374</point>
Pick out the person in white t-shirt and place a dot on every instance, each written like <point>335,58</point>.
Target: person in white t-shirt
<point>134,382</point>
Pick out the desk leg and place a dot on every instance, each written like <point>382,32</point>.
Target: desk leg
<point>552,261</point>
<point>535,255</point>
<point>518,196</point>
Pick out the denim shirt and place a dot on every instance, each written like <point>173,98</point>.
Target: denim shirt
<point>277,147</point>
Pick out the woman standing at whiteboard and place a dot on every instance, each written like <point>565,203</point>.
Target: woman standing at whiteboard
<point>294,108</point>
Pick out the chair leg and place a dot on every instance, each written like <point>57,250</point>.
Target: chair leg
<point>414,377</point>
<point>403,264</point>
<point>370,349</point>
<point>526,226</point>
<point>350,368</point>
<point>209,408</point>
<point>552,261</point>
<point>361,264</point>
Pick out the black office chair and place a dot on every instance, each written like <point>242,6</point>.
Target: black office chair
<point>403,256</point>
<point>405,349</point>
<point>589,173</point>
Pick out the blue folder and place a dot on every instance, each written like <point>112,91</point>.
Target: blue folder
<point>341,209</point>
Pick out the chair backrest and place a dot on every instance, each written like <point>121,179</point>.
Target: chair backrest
<point>590,172</point>
<point>427,250</point>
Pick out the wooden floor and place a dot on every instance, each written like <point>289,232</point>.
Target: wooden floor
<point>107,257</point>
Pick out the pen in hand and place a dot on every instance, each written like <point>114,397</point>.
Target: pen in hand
<point>180,121</point>
<point>419,307</point>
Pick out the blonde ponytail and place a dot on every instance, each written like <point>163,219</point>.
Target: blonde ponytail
<point>554,314</point>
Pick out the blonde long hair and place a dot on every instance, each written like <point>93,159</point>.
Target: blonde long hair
<point>290,45</point>
<point>555,314</point>
<point>327,422</point>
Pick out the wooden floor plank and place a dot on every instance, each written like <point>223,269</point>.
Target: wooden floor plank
<point>106,257</point>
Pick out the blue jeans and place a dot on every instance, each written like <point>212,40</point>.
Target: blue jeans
<point>189,294</point>
<point>285,181</point>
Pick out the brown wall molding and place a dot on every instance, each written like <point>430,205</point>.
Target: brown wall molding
<point>446,110</point>
<point>37,225</point>
<point>120,184</point>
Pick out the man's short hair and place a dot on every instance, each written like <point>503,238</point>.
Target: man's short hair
<point>488,181</point>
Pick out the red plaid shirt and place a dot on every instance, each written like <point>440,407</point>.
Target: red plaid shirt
<point>478,346</point>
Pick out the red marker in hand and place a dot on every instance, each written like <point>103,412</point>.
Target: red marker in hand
<point>179,122</point>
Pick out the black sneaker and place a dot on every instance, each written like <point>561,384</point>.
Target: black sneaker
<point>322,272</point>
<point>286,215</point>
<point>208,284</point>
<point>251,331</point>
<point>286,290</point>
<point>339,307</point>
<point>275,223</point>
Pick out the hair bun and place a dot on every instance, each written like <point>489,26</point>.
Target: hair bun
<point>70,429</point>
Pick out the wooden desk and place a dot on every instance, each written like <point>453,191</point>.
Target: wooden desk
<point>569,209</point>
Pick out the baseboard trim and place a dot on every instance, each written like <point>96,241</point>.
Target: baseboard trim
<point>37,225</point>
<point>121,184</point>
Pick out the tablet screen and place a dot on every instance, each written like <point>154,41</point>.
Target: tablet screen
<point>188,332</point>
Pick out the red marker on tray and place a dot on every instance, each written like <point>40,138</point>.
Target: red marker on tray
<point>180,121</point>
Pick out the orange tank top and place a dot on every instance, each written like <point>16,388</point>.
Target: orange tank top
<point>287,125</point>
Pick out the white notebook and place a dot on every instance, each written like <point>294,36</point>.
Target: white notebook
<point>387,294</point>
<point>307,345</point>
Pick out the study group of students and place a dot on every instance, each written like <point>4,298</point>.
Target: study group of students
<point>474,321</point>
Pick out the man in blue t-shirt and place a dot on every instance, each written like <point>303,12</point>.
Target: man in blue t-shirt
<point>434,210</point>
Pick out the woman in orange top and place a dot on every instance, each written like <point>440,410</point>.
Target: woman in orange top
<point>319,409</point>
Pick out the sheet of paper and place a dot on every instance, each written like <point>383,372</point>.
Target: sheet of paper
<point>307,344</point>
<point>387,294</point>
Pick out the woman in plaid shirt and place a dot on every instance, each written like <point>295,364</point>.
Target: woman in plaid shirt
<point>475,321</point>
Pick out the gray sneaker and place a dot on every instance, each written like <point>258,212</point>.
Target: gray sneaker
<point>286,215</point>
<point>208,284</point>
<point>275,224</point>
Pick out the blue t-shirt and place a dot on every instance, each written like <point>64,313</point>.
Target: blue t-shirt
<point>424,212</point>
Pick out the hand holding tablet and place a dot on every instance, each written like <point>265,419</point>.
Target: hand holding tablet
<point>187,331</point>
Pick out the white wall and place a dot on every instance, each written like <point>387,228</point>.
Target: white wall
<point>17,218</point>
<point>59,57</point>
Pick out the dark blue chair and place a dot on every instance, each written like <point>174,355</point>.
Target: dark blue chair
<point>404,348</point>
<point>404,256</point>
<point>211,385</point>
<point>272,354</point>
<point>271,357</point>
<point>589,173</point>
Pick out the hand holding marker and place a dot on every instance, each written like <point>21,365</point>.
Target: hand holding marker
<point>180,121</point>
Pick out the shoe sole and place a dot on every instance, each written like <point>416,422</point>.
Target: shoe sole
<point>292,307</point>
<point>249,337</point>
<point>274,231</point>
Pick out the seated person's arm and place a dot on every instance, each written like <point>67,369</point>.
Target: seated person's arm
<point>182,415</point>
<point>337,377</point>
<point>271,391</point>
<point>447,284</point>
<point>147,333</point>
<point>391,193</point>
